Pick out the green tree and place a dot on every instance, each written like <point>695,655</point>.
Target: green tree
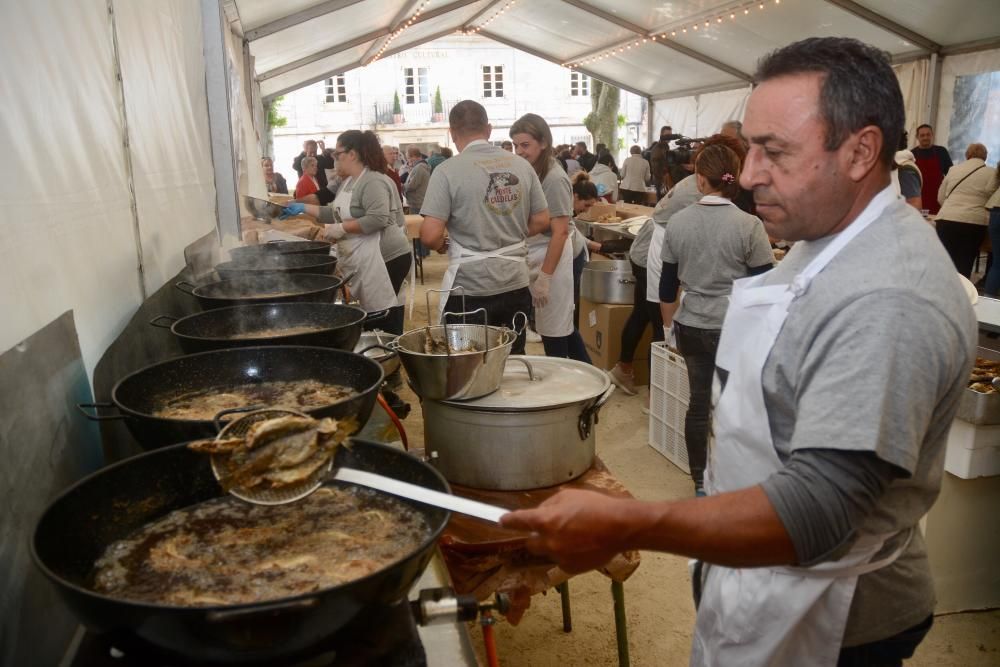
<point>273,120</point>
<point>602,121</point>
<point>397,109</point>
<point>438,104</point>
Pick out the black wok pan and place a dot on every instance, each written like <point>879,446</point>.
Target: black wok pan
<point>280,248</point>
<point>135,397</point>
<point>271,263</point>
<point>269,288</point>
<point>337,326</point>
<point>115,501</point>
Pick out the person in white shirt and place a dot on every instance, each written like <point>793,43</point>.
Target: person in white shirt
<point>635,177</point>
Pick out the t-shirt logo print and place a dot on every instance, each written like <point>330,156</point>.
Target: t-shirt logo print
<point>503,193</point>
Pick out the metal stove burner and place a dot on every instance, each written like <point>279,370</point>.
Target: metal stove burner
<point>393,642</point>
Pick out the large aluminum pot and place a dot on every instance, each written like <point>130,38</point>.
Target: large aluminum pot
<point>472,369</point>
<point>537,430</point>
<point>374,345</point>
<point>608,281</point>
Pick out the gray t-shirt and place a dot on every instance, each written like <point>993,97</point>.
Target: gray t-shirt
<point>713,244</point>
<point>486,195</point>
<point>558,193</point>
<point>875,357</point>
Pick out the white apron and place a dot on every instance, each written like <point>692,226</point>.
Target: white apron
<point>654,263</point>
<point>556,317</point>
<point>771,615</point>
<point>457,255</point>
<point>359,257</point>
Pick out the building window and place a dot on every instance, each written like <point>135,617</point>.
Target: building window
<point>336,89</point>
<point>579,84</point>
<point>492,80</point>
<point>417,89</point>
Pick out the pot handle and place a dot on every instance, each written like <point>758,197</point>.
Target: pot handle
<point>97,417</point>
<point>377,316</point>
<point>344,288</point>
<point>390,350</point>
<point>238,614</point>
<point>185,286</point>
<point>524,324</point>
<point>217,419</point>
<point>527,364</point>
<point>626,281</point>
<point>589,415</point>
<point>169,321</point>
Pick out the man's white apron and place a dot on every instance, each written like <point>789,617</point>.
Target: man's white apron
<point>771,615</point>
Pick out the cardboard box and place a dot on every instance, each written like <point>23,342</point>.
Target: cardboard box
<point>601,327</point>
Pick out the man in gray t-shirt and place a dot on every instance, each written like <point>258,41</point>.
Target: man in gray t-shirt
<point>839,386</point>
<point>489,201</point>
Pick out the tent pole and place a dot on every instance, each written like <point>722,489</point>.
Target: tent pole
<point>650,109</point>
<point>227,210</point>
<point>933,89</point>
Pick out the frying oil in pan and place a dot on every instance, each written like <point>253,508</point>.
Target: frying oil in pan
<point>204,404</point>
<point>225,551</point>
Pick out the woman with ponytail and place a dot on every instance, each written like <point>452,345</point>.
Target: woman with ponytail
<point>366,222</point>
<point>550,256</point>
<point>707,246</point>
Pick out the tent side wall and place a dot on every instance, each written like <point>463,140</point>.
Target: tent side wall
<point>104,182</point>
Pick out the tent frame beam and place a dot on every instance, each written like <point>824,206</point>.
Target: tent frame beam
<point>551,59</point>
<point>704,90</point>
<point>426,16</point>
<point>325,53</point>
<point>642,32</point>
<point>481,13</point>
<point>295,19</point>
<point>397,21</point>
<point>886,24</point>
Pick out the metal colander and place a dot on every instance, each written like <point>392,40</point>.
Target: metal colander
<point>239,428</point>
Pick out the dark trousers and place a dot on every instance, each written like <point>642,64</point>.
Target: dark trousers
<point>962,240</point>
<point>993,274</point>
<point>643,314</point>
<point>398,269</point>
<point>888,652</point>
<point>698,347</point>
<point>633,196</point>
<point>500,310</point>
<point>578,263</point>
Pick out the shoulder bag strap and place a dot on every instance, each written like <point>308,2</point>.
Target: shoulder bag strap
<point>963,180</point>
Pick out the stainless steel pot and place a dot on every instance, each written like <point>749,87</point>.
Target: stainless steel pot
<point>537,430</point>
<point>608,281</point>
<point>381,353</point>
<point>471,370</point>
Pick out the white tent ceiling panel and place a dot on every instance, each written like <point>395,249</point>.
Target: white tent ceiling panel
<point>943,21</point>
<point>651,14</point>
<point>315,71</point>
<point>656,68</point>
<point>421,32</point>
<point>255,13</point>
<point>321,33</point>
<point>557,28</point>
<point>740,43</point>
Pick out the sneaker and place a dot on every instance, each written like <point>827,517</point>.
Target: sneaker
<point>624,381</point>
<point>700,493</point>
<point>533,336</point>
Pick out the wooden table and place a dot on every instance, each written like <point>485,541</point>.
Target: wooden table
<point>483,558</point>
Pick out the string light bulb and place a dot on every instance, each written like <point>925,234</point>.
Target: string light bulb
<point>494,17</point>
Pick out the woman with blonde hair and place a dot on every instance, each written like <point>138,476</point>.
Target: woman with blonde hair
<point>550,257</point>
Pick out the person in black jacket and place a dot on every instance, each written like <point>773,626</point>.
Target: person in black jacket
<point>586,159</point>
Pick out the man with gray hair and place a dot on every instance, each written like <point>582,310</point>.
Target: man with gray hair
<point>489,201</point>
<point>821,466</point>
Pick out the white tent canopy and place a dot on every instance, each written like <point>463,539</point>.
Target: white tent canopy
<point>652,48</point>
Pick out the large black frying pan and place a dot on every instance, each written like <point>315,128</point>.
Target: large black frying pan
<point>268,288</point>
<point>135,397</point>
<point>115,501</point>
<point>303,247</point>
<point>335,325</point>
<point>256,265</point>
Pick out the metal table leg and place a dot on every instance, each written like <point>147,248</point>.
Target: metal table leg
<point>621,624</point>
<point>567,614</point>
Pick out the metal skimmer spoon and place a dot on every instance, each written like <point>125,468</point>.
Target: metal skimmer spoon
<point>291,493</point>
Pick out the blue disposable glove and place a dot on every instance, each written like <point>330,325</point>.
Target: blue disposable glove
<point>292,209</point>
<point>602,189</point>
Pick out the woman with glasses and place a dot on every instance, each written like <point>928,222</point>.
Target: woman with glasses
<point>366,222</point>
